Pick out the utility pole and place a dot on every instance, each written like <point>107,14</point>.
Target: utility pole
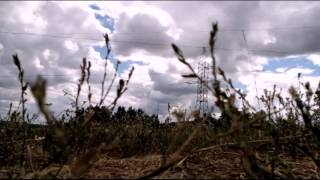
<point>157,108</point>
<point>254,75</point>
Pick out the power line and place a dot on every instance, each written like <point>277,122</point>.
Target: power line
<point>137,42</point>
<point>254,74</point>
<point>228,30</point>
<point>148,43</point>
<point>198,31</point>
<point>100,39</point>
<point>281,28</point>
<point>58,75</point>
<point>91,39</point>
<point>48,35</point>
<point>134,74</point>
<point>94,75</point>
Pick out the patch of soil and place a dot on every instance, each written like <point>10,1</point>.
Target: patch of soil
<point>218,164</point>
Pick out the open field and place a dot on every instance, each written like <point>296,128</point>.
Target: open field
<point>281,140</point>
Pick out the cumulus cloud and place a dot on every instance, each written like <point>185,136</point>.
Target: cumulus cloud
<point>257,83</point>
<point>249,37</point>
<point>315,58</point>
<point>58,58</point>
<point>136,24</point>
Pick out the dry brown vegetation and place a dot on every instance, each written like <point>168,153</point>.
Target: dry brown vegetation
<point>98,141</point>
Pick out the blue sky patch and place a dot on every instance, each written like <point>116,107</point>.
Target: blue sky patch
<point>103,53</point>
<point>94,7</point>
<point>289,63</point>
<point>127,65</point>
<point>124,64</point>
<point>241,86</point>
<point>105,21</point>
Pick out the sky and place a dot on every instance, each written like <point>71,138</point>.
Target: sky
<point>259,44</point>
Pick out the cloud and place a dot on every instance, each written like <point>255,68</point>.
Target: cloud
<point>58,58</point>
<point>281,70</point>
<point>295,71</point>
<point>315,58</point>
<point>255,84</point>
<point>141,34</point>
<point>140,23</point>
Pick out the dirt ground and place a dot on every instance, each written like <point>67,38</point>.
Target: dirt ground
<point>217,164</point>
<point>202,165</point>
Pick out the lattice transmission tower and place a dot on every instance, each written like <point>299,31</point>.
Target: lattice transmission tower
<point>202,86</point>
